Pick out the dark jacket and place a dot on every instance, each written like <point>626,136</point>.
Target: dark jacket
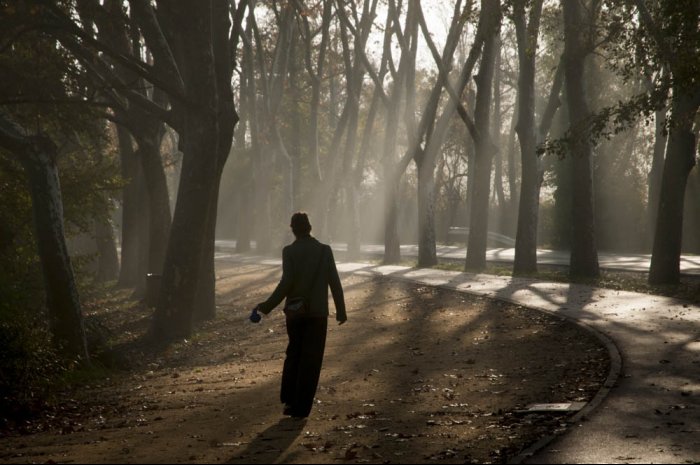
<point>299,262</point>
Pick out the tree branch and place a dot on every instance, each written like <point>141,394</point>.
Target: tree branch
<point>64,26</point>
<point>164,59</point>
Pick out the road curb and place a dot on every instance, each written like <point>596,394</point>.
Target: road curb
<point>614,374</point>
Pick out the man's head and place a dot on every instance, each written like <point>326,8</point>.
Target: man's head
<point>300,224</point>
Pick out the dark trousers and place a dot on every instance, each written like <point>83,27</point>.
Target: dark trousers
<point>302,367</point>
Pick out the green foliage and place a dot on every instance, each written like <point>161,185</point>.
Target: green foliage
<point>28,363</point>
<point>43,90</point>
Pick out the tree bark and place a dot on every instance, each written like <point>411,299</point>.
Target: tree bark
<point>680,159</point>
<point>37,155</point>
<point>656,173</point>
<point>478,224</point>
<point>158,198</point>
<point>226,120</point>
<point>107,257</point>
<point>584,255</point>
<point>148,130</point>
<point>426,159</point>
<point>200,139</point>
<point>526,236</point>
<point>316,77</point>
<point>132,218</point>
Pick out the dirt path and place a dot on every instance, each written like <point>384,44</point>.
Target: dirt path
<point>416,375</point>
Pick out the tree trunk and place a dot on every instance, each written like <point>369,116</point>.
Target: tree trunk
<point>563,173</point>
<point>680,159</point>
<point>656,173</point>
<point>355,228</point>
<point>245,185</point>
<point>526,236</point>
<point>186,247</point>
<point>144,228</point>
<point>691,222</point>
<point>226,120</point>
<point>484,149</point>
<point>427,253</point>
<point>316,77</point>
<point>132,219</point>
<point>510,222</point>
<point>205,299</point>
<point>37,155</point>
<point>107,257</point>
<point>295,123</point>
<point>496,122</point>
<point>158,200</point>
<point>584,255</point>
<point>392,242</point>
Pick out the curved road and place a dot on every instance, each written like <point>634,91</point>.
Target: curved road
<point>652,412</point>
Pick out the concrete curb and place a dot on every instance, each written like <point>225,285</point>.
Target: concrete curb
<point>613,375</point>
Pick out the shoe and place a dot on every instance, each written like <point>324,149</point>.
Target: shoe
<point>291,412</point>
<point>297,415</point>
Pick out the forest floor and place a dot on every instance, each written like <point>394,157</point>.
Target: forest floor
<point>417,374</point>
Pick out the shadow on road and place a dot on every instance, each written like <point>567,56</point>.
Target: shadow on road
<point>270,445</point>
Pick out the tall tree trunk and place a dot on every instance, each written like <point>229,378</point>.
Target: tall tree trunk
<point>656,173</point>
<point>37,155</point>
<point>496,123</point>
<point>186,247</point>
<point>510,221</point>
<point>526,236</point>
<point>107,257</point>
<point>316,77</point>
<point>680,159</point>
<point>427,253</point>
<point>355,229</point>
<point>158,199</point>
<point>226,120</point>
<point>144,238</point>
<point>205,299</point>
<point>65,315</point>
<point>484,149</point>
<point>691,223</point>
<point>259,192</point>
<point>392,242</point>
<point>132,221</point>
<point>584,254</point>
<point>435,132</point>
<point>562,170</point>
<point>295,123</point>
<point>245,182</point>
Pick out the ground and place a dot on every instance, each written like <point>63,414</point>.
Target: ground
<point>417,374</point>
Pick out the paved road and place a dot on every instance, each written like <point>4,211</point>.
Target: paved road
<point>649,411</point>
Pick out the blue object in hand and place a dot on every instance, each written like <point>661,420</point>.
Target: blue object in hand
<point>255,316</point>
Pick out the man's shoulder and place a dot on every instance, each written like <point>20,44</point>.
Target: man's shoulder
<point>305,242</point>
<point>303,246</point>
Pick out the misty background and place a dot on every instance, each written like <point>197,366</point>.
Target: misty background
<point>134,134</point>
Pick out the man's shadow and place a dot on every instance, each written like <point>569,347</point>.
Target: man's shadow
<point>272,443</point>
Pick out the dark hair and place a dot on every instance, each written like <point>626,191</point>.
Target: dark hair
<point>300,224</point>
